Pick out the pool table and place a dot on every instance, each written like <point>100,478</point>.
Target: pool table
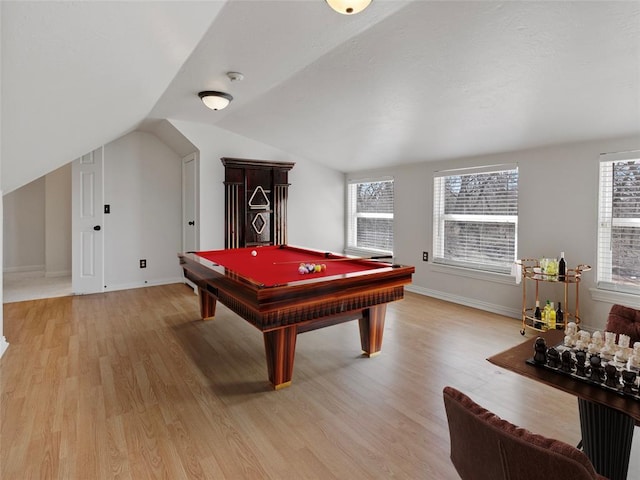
<point>263,285</point>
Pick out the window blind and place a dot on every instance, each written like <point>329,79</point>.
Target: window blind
<point>619,223</point>
<point>370,215</point>
<point>475,218</point>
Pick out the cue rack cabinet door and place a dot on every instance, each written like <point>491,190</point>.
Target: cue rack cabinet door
<point>255,202</point>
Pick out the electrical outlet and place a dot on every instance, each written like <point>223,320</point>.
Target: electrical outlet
<point>143,263</point>
<point>425,256</point>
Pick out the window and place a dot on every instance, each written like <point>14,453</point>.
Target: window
<point>619,223</point>
<point>475,217</point>
<point>370,216</point>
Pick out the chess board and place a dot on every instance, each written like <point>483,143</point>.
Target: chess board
<point>585,373</point>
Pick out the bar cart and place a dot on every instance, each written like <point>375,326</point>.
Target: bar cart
<point>532,272</point>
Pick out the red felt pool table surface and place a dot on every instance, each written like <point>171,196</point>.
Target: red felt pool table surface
<point>278,265</point>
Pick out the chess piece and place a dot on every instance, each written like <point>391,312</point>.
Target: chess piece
<point>597,371</point>
<point>634,358</point>
<point>613,376</point>
<point>570,333</point>
<point>628,380</point>
<point>581,367</point>
<point>584,338</point>
<point>567,362</point>
<point>623,352</point>
<point>553,357</point>
<point>596,343</point>
<point>609,348</point>
<point>540,349</point>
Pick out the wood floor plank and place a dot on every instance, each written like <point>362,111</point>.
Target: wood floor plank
<point>132,385</point>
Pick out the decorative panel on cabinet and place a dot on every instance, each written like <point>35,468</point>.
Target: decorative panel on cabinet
<point>256,193</point>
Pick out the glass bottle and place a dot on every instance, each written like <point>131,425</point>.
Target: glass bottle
<point>562,268</point>
<point>559,317</point>
<point>537,314</point>
<point>545,316</point>
<point>551,317</point>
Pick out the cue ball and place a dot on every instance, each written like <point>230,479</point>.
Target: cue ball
<point>254,253</point>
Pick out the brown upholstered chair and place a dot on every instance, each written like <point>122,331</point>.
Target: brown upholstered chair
<point>485,447</point>
<point>624,320</point>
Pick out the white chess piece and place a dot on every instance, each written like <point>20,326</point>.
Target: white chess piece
<point>584,339</point>
<point>634,358</point>
<point>623,351</point>
<point>570,334</point>
<point>596,343</point>
<point>609,347</point>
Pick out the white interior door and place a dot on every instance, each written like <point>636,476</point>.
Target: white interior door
<point>87,224</point>
<point>190,226</point>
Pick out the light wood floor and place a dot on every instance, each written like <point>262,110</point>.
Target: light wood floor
<point>132,385</point>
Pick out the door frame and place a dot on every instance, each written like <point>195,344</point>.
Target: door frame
<point>192,196</point>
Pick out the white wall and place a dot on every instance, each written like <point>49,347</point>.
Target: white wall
<point>143,186</point>
<point>57,241</point>
<point>37,225</point>
<point>24,228</point>
<point>558,199</point>
<point>3,342</point>
<point>316,195</point>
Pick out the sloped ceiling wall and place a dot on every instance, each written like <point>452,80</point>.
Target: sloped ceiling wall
<point>77,75</point>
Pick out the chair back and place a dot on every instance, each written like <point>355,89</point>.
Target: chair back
<point>624,320</point>
<point>485,447</point>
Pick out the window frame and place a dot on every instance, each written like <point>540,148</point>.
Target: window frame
<point>606,224</point>
<point>440,218</point>
<point>352,216</point>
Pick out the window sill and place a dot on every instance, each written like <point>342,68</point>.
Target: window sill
<point>502,278</point>
<point>626,299</point>
<point>361,252</point>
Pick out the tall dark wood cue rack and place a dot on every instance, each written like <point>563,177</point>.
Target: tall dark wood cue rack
<point>256,193</point>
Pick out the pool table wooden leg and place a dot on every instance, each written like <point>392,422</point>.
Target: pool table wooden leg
<point>280,349</point>
<point>372,328</point>
<point>207,304</point>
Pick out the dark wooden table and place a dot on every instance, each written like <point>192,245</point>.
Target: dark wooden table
<point>606,418</point>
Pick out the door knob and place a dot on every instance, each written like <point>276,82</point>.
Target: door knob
<point>97,228</point>
<point>192,222</point>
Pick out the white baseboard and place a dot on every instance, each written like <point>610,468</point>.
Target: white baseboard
<point>3,346</point>
<point>142,284</point>
<point>24,268</point>
<point>191,284</point>
<point>59,273</point>
<point>469,302</point>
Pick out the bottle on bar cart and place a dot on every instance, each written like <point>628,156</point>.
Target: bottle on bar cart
<point>551,317</point>
<point>562,268</point>
<point>559,317</point>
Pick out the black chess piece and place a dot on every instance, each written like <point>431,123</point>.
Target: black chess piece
<point>613,376</point>
<point>567,362</point>
<point>597,370</point>
<point>554,357</point>
<point>540,348</point>
<point>628,380</point>
<point>581,367</point>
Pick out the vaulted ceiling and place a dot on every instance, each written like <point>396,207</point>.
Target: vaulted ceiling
<point>404,81</point>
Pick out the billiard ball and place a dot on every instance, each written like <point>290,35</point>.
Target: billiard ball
<point>253,253</point>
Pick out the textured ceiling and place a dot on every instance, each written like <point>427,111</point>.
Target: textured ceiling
<point>401,82</point>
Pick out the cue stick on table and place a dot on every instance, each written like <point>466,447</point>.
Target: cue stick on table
<point>378,257</point>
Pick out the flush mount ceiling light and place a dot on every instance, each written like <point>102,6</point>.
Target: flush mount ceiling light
<point>348,7</point>
<point>215,100</point>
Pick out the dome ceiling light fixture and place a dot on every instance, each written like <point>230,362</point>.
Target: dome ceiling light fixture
<point>215,100</point>
<point>348,7</point>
